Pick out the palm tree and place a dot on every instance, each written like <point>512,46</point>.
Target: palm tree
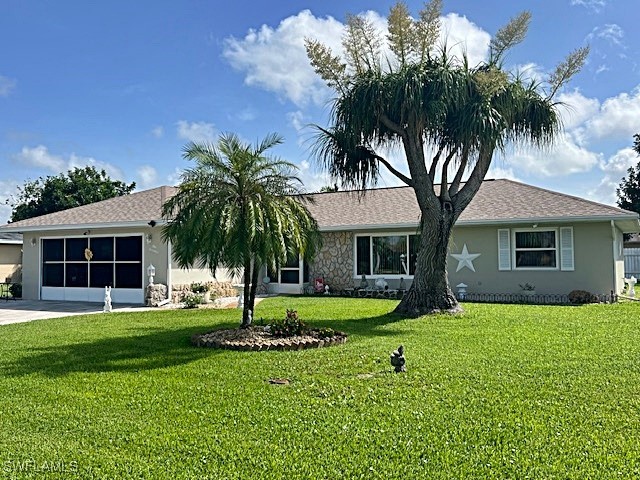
<point>428,102</point>
<point>239,209</point>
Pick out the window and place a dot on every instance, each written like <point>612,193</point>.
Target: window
<point>114,261</point>
<point>386,255</point>
<point>289,273</point>
<point>535,249</point>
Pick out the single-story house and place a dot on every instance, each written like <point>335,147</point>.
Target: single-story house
<point>10,257</point>
<point>510,235</point>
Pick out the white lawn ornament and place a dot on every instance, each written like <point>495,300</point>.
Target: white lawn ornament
<point>107,300</point>
<point>631,282</point>
<point>462,290</point>
<point>382,284</point>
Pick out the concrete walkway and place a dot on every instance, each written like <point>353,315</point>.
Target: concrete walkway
<point>18,311</point>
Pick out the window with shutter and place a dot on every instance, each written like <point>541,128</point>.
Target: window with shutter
<point>504,249</point>
<point>566,249</point>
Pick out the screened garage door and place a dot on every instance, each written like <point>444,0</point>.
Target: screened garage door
<point>78,268</point>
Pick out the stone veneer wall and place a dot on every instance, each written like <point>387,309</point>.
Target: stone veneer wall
<point>334,261</point>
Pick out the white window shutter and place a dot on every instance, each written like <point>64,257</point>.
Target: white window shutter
<point>504,249</point>
<point>566,249</point>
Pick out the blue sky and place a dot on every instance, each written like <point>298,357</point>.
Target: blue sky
<point>125,85</point>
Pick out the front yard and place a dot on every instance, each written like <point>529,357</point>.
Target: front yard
<point>505,391</point>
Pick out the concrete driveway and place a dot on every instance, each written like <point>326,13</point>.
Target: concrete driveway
<point>17,311</point>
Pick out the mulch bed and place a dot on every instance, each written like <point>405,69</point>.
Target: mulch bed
<point>260,339</point>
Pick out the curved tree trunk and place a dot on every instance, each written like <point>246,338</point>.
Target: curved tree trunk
<point>430,291</point>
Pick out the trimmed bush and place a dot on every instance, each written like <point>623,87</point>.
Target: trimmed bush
<point>580,297</point>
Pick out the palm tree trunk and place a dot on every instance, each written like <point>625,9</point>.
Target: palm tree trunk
<point>430,291</point>
<point>254,286</point>
<point>247,285</point>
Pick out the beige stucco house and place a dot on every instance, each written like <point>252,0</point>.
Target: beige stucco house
<point>511,234</point>
<point>10,257</point>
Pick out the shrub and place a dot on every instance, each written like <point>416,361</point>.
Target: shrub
<point>198,287</point>
<point>15,289</point>
<point>325,332</point>
<point>290,326</point>
<point>192,300</point>
<point>580,297</point>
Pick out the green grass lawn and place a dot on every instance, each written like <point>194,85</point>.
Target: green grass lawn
<point>504,391</point>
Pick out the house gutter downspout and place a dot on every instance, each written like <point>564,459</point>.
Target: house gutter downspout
<point>614,289</point>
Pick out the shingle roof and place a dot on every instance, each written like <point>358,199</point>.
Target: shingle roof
<point>497,201</point>
<point>136,208</point>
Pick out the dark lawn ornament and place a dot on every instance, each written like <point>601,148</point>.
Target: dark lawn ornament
<point>398,361</point>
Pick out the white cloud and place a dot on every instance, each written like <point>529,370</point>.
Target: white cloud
<point>275,59</point>
<point>6,85</point>
<point>595,5</point>
<point>158,131</point>
<point>564,157</point>
<point>464,36</point>
<point>530,72</point>
<point>296,119</point>
<point>40,157</point>
<point>196,132</point>
<point>575,109</point>
<point>618,117</point>
<point>148,176</point>
<point>610,32</point>
<point>500,172</point>
<point>246,115</point>
<point>615,168</point>
<point>174,178</point>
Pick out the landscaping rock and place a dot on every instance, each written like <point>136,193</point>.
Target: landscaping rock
<point>260,339</point>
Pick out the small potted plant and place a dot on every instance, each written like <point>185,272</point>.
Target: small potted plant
<point>528,289</point>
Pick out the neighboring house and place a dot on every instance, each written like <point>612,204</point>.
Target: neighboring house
<point>510,234</point>
<point>10,257</point>
<point>632,256</point>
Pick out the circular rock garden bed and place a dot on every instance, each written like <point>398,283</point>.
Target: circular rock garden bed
<point>258,338</point>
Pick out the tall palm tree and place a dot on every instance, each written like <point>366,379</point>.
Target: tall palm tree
<point>446,115</point>
<point>239,209</point>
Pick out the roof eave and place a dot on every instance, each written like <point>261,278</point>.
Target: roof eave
<point>626,223</point>
<point>78,226</point>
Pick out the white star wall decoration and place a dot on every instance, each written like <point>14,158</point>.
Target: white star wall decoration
<point>465,259</point>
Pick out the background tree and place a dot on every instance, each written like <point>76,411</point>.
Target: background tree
<point>629,189</point>
<point>239,209</point>
<point>77,187</point>
<point>447,116</point>
<point>328,189</point>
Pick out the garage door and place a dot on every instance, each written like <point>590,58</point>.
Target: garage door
<point>78,268</point>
